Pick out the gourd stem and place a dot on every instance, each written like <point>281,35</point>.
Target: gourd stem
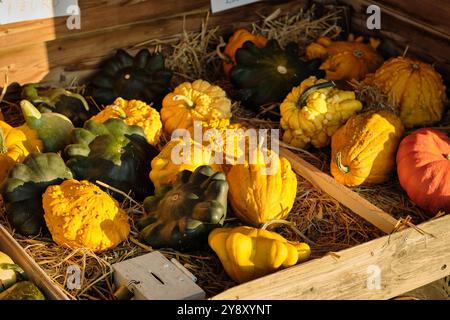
<point>3,147</point>
<point>222,55</point>
<point>313,88</point>
<point>31,114</point>
<point>121,112</point>
<point>448,156</point>
<point>189,102</point>
<point>339,164</point>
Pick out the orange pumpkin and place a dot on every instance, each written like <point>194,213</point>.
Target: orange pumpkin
<point>423,166</point>
<point>235,42</point>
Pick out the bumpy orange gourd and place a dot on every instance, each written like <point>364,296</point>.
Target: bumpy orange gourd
<point>313,111</point>
<point>196,101</point>
<point>363,150</point>
<point>134,112</point>
<point>346,60</point>
<point>423,167</point>
<point>178,155</point>
<point>414,87</point>
<point>15,146</point>
<point>247,253</point>
<point>235,42</point>
<point>80,214</point>
<point>263,188</point>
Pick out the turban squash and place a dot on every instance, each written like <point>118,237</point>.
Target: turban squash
<point>266,75</point>
<point>414,87</point>
<point>23,189</point>
<point>313,111</point>
<point>363,150</point>
<point>423,167</point>
<point>80,214</point>
<point>134,112</point>
<point>235,42</point>
<point>181,215</point>
<point>263,188</point>
<point>248,253</point>
<point>15,146</point>
<point>346,60</point>
<point>196,101</point>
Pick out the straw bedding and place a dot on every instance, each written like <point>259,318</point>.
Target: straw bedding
<point>318,219</point>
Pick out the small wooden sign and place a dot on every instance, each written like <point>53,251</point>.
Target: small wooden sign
<point>222,5</point>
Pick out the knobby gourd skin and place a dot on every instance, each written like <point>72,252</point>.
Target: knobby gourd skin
<point>59,100</point>
<point>423,167</point>
<point>23,290</point>
<point>134,112</point>
<point>178,155</point>
<point>363,150</point>
<point>7,275</point>
<point>196,101</point>
<point>414,87</point>
<point>52,128</point>
<point>142,77</point>
<point>114,153</point>
<point>325,110</point>
<point>15,146</point>
<point>235,42</point>
<point>23,189</point>
<point>346,60</point>
<point>181,215</point>
<point>266,75</point>
<point>247,253</point>
<point>260,192</point>
<point>80,214</point>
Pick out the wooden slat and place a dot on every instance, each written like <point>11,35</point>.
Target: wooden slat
<point>9,246</point>
<point>77,56</point>
<point>344,195</point>
<point>406,260</point>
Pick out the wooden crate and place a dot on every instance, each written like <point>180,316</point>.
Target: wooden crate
<point>407,259</point>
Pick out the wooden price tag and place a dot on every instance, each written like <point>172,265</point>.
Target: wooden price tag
<point>222,5</point>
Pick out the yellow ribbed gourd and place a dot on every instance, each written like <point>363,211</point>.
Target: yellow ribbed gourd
<point>414,87</point>
<point>364,150</point>
<point>80,214</point>
<point>248,253</point>
<point>313,111</point>
<point>195,101</point>
<point>134,112</point>
<point>262,188</point>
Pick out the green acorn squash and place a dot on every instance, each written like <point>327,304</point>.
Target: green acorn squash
<point>114,153</point>
<point>143,77</point>
<point>181,215</point>
<point>52,128</point>
<point>266,75</point>
<point>22,190</point>
<point>72,105</point>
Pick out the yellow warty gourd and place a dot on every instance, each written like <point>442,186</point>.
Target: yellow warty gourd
<point>247,253</point>
<point>15,146</point>
<point>196,101</point>
<point>134,112</point>
<point>313,111</point>
<point>178,155</point>
<point>80,214</point>
<point>263,188</point>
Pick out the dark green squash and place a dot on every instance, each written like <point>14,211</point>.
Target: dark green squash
<point>181,216</point>
<point>24,290</point>
<point>143,77</point>
<point>266,75</point>
<point>73,105</point>
<point>22,190</point>
<point>114,153</point>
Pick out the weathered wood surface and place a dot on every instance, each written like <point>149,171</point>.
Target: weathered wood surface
<point>404,261</point>
<point>9,246</point>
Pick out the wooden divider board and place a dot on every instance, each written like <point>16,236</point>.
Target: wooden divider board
<point>380,269</point>
<point>10,246</point>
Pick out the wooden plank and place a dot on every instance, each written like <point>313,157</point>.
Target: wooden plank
<point>65,59</point>
<point>404,261</point>
<point>371,213</point>
<point>9,246</point>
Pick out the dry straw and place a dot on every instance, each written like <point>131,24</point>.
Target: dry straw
<point>323,221</point>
